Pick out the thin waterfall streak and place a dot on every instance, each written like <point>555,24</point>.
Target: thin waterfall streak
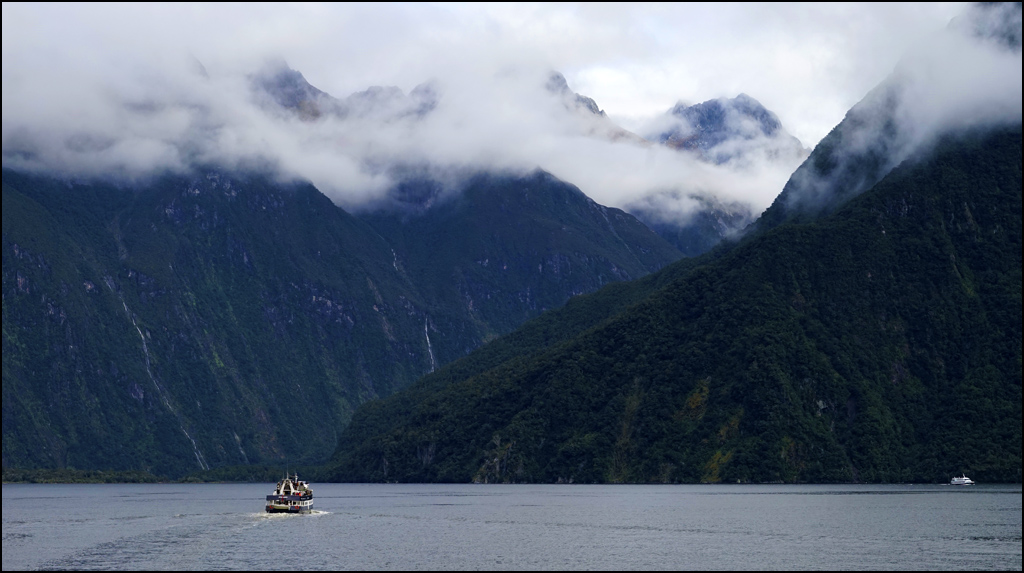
<point>430,350</point>
<point>160,391</point>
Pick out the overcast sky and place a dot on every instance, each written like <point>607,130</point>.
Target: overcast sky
<point>114,80</point>
<point>808,63</point>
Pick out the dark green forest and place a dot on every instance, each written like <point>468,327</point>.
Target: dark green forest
<point>216,319</point>
<point>880,342</point>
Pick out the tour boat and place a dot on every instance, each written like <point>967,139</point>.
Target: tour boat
<point>291,496</point>
<point>962,480</point>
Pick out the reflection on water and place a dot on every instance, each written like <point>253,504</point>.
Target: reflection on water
<point>221,526</point>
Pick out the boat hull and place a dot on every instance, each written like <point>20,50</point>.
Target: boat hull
<point>289,508</point>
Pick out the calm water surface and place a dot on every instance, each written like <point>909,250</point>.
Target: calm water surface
<point>221,526</point>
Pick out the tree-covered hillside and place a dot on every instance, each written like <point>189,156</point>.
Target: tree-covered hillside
<point>223,319</point>
<point>879,343</point>
<point>508,248</point>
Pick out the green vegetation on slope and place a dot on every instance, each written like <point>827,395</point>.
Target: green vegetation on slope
<point>221,320</point>
<point>508,248</point>
<point>880,343</point>
<point>65,475</point>
<point>235,314</point>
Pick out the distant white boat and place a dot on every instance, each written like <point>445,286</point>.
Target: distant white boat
<point>962,480</point>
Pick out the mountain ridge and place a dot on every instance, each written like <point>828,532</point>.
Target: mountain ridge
<point>759,365</point>
<point>219,318</point>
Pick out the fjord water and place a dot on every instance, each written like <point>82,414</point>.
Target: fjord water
<point>222,526</point>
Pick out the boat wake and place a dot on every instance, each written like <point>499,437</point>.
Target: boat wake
<point>265,515</point>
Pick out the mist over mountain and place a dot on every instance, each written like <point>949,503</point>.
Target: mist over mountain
<point>594,121</point>
<point>287,88</point>
<point>557,85</point>
<point>867,328</point>
<point>965,77</point>
<point>739,134</point>
<point>880,343</point>
<point>209,260</point>
<point>728,130</point>
<point>134,127</point>
<point>243,349</point>
<point>693,223</point>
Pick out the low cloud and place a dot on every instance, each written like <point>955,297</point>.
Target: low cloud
<point>178,116</point>
<point>967,76</point>
<point>132,102</point>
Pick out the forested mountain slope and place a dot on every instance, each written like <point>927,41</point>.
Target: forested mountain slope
<point>506,248</point>
<point>881,342</point>
<point>218,319</point>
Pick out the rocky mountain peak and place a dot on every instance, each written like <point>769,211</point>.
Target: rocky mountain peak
<point>707,124</point>
<point>557,85</point>
<point>288,88</point>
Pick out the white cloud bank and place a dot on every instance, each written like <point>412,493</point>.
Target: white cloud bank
<point>94,90</point>
<point>967,76</point>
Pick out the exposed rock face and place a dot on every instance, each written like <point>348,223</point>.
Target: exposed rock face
<point>722,130</point>
<point>279,86</point>
<point>288,88</point>
<point>593,120</point>
<point>737,134</point>
<point>558,86</point>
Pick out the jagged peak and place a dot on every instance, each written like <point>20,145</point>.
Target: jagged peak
<point>558,85</point>
<point>723,129</point>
